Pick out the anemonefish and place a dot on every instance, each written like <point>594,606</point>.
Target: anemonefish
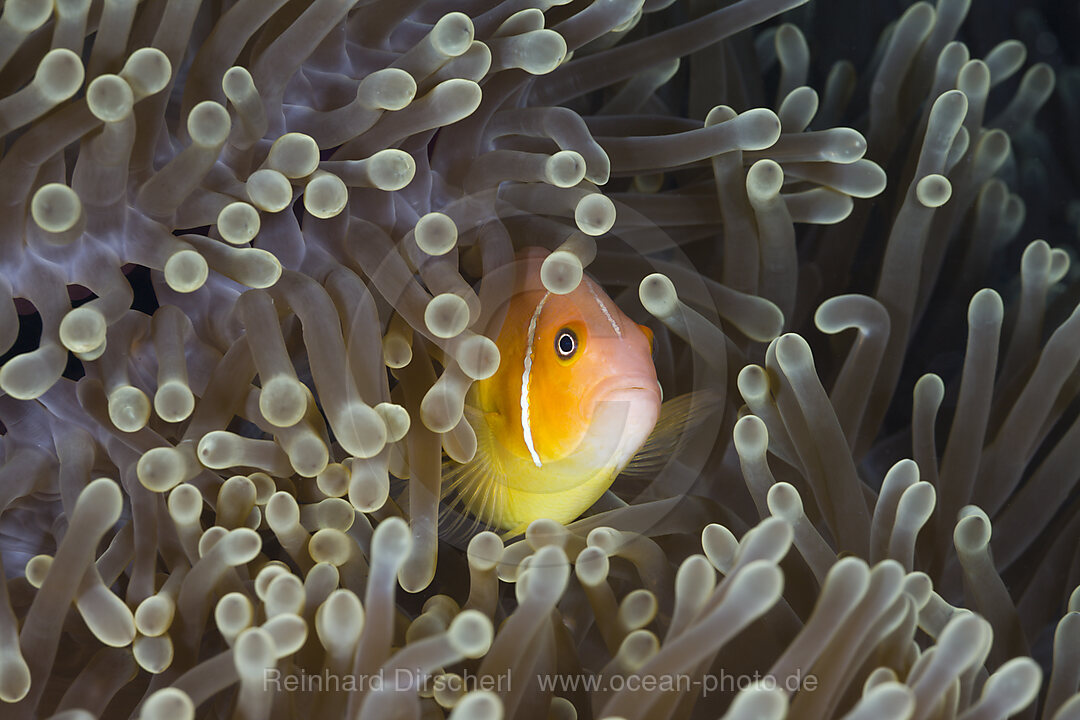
<point>575,398</point>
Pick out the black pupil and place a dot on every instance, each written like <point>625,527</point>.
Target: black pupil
<point>567,343</point>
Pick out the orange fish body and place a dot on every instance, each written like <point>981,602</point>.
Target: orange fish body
<point>574,398</point>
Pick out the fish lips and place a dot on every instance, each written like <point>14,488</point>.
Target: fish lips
<point>639,392</point>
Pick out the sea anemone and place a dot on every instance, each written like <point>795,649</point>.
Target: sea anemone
<point>250,252</point>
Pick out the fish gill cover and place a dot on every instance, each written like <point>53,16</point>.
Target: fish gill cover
<point>249,252</point>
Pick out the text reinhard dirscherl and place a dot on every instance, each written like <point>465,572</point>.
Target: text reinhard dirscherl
<point>418,681</point>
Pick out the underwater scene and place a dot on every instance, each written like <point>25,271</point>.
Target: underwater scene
<point>539,359</point>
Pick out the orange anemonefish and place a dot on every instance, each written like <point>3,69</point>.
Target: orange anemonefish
<point>574,400</point>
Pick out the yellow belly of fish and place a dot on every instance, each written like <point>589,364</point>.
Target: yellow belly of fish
<point>562,506</point>
<point>506,490</point>
<point>512,508</point>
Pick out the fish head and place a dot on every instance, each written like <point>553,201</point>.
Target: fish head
<point>577,383</point>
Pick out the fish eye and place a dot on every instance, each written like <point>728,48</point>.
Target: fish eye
<point>566,343</point>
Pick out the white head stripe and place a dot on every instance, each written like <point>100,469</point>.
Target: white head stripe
<point>526,427</point>
<point>603,309</point>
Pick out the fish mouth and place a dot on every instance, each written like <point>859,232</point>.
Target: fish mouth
<point>627,413</point>
<point>631,391</point>
<point>625,387</point>
<point>638,404</point>
<point>633,394</point>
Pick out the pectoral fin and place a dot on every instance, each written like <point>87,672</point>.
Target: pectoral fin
<point>476,488</point>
